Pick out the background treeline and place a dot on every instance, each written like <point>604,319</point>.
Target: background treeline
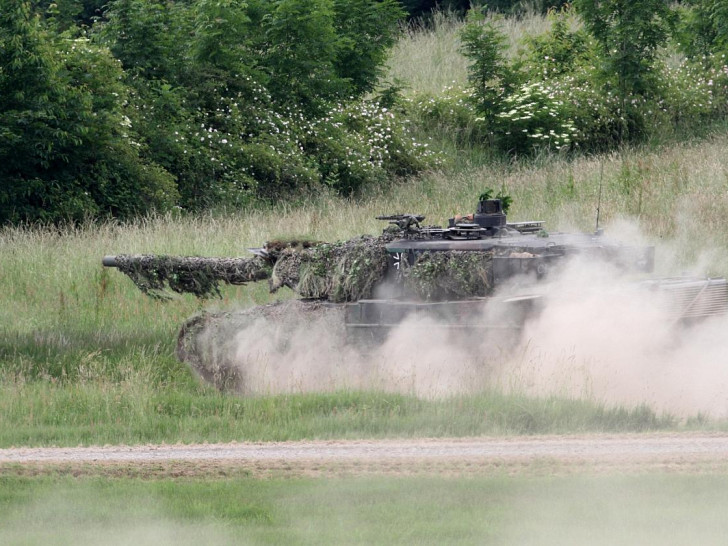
<point>192,104</point>
<point>145,105</point>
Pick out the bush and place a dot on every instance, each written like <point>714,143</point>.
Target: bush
<point>68,149</point>
<point>489,74</point>
<point>451,113</point>
<point>557,52</point>
<point>535,119</point>
<point>266,101</point>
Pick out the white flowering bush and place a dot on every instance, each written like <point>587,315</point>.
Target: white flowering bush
<point>594,113</point>
<point>696,92</point>
<point>562,110</point>
<point>535,119</point>
<point>249,148</point>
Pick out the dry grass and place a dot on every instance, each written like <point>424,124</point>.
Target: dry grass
<point>427,59</point>
<point>54,277</point>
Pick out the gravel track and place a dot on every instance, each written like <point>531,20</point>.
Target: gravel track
<point>676,451</point>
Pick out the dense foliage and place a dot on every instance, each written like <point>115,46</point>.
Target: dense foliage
<point>600,77</point>
<point>142,105</point>
<point>67,149</point>
<point>193,104</point>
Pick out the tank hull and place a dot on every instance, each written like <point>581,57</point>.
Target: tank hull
<point>232,350</point>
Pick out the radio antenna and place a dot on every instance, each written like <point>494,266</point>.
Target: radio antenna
<point>599,200</point>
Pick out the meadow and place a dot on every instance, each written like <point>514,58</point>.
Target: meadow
<point>640,510</point>
<point>86,358</point>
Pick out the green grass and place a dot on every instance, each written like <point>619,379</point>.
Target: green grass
<point>86,358</point>
<point>41,414</point>
<point>638,510</point>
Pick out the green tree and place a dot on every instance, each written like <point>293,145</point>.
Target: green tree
<point>66,148</point>
<point>366,31</point>
<point>489,73</point>
<point>68,14</point>
<point>558,51</point>
<point>300,48</point>
<point>145,36</point>
<point>629,35</point>
<point>703,28</point>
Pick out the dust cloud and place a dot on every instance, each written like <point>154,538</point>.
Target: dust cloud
<point>600,335</point>
<point>635,510</point>
<point>101,515</point>
<point>607,340</point>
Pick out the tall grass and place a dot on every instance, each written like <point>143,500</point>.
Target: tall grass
<point>427,58</point>
<point>86,358</point>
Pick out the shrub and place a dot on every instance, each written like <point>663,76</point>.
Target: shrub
<point>557,52</point>
<point>451,113</point>
<point>629,36</point>
<point>489,74</point>
<point>68,149</point>
<point>536,119</point>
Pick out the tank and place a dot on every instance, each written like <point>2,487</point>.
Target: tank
<point>476,276</point>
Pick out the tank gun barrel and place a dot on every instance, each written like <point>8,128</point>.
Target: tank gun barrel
<point>109,261</point>
<point>187,274</point>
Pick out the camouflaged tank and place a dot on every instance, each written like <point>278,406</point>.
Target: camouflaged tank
<point>479,274</point>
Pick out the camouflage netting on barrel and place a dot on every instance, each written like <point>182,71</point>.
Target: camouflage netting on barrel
<point>452,274</point>
<point>194,275</point>
<point>338,272</point>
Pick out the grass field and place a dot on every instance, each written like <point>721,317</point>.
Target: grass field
<point>639,510</point>
<point>86,358</point>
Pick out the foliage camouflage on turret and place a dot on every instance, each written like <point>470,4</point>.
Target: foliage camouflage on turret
<point>338,272</point>
<point>444,275</point>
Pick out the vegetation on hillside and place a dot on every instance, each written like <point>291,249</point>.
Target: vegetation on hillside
<point>159,107</point>
<point>149,106</point>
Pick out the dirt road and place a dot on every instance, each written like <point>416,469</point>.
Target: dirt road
<point>690,452</point>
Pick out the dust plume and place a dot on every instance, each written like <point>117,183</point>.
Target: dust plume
<point>610,337</point>
<point>605,339</point>
<point>298,347</point>
<point>600,335</point>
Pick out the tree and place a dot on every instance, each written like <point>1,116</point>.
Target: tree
<point>144,36</point>
<point>704,28</point>
<point>488,73</point>
<point>629,35</point>
<point>66,151</point>
<point>366,30</point>
<point>300,48</point>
